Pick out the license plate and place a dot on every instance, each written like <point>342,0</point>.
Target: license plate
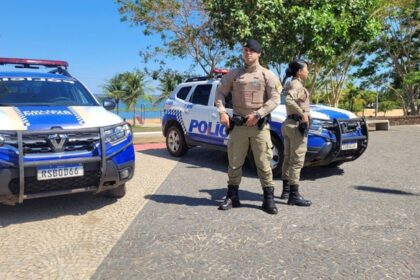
<point>58,172</point>
<point>349,146</point>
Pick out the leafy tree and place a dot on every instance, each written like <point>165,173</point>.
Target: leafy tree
<point>395,53</point>
<point>356,98</point>
<point>184,28</point>
<point>386,106</point>
<point>326,32</point>
<point>114,88</point>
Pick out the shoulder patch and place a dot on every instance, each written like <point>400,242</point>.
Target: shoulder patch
<point>278,86</point>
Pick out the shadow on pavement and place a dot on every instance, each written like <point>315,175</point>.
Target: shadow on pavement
<point>216,197</point>
<point>383,190</point>
<point>313,173</point>
<point>52,207</point>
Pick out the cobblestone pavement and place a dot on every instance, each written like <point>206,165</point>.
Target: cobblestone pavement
<point>67,237</point>
<point>363,224</point>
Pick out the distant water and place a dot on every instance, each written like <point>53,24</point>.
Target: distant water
<point>145,115</point>
<point>144,110</point>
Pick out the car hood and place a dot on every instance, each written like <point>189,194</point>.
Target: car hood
<point>328,113</point>
<point>321,112</point>
<point>48,117</point>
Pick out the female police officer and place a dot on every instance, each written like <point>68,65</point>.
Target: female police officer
<point>294,131</point>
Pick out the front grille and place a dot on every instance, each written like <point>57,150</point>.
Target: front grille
<point>348,127</point>
<point>40,143</point>
<point>32,185</point>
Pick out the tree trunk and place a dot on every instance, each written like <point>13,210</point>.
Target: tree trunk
<point>134,115</point>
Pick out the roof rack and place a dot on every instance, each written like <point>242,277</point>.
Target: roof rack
<point>218,75</point>
<point>61,66</point>
<point>196,79</point>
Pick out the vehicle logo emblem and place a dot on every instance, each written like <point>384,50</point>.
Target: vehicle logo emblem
<point>57,141</point>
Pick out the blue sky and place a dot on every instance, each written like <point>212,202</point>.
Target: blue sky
<point>86,33</point>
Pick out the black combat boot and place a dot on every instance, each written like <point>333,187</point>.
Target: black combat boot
<point>232,198</point>
<point>286,190</point>
<point>296,199</point>
<point>269,205</point>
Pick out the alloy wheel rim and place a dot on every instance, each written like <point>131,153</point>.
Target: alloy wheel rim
<point>173,141</point>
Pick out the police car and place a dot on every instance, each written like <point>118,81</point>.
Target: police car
<point>191,119</point>
<point>56,138</point>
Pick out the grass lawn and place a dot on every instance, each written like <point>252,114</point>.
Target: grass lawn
<point>146,129</point>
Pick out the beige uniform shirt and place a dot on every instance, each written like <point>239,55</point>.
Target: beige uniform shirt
<point>254,89</point>
<point>297,98</point>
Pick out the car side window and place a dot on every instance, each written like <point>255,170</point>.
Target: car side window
<point>183,93</point>
<point>201,95</point>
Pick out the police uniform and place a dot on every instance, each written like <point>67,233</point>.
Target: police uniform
<point>295,143</point>
<point>255,90</point>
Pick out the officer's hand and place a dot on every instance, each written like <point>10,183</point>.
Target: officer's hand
<point>305,119</point>
<point>251,120</point>
<point>224,119</point>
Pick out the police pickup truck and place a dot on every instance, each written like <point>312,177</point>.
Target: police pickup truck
<point>55,137</point>
<point>191,119</point>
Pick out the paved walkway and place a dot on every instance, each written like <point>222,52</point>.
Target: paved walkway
<point>67,237</point>
<point>364,222</point>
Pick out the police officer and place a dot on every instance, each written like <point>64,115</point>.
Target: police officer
<point>255,93</point>
<point>294,131</point>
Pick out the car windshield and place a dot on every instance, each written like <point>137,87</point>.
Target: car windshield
<point>44,91</point>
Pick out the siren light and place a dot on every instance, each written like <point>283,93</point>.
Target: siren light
<point>29,63</point>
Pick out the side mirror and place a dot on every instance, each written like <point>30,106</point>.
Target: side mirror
<point>109,105</point>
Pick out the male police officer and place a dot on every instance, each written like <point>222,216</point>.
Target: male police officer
<point>255,93</point>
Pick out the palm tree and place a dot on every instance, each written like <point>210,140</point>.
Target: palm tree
<point>115,89</point>
<point>134,85</point>
<point>168,81</point>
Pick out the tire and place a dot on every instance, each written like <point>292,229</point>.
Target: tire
<point>175,141</point>
<point>118,192</point>
<point>277,160</point>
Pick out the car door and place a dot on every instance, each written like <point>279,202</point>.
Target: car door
<point>202,118</point>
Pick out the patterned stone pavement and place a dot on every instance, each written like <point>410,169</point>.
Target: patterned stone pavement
<point>364,222</point>
<point>67,237</point>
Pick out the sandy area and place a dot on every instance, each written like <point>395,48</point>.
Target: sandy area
<point>392,113</point>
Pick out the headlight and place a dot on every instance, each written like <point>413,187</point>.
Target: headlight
<point>117,133</point>
<point>318,125</point>
<point>7,139</point>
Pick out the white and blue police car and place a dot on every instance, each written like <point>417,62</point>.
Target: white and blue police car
<point>191,119</point>
<point>56,138</point>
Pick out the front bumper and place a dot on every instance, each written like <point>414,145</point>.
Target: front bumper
<point>331,148</point>
<point>101,166</point>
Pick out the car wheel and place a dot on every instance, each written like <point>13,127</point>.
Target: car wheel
<point>277,160</point>
<point>175,141</point>
<point>118,192</point>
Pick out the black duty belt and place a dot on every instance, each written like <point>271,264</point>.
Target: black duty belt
<point>239,120</point>
<point>294,117</point>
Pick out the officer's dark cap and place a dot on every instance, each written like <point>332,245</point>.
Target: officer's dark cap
<point>253,45</point>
